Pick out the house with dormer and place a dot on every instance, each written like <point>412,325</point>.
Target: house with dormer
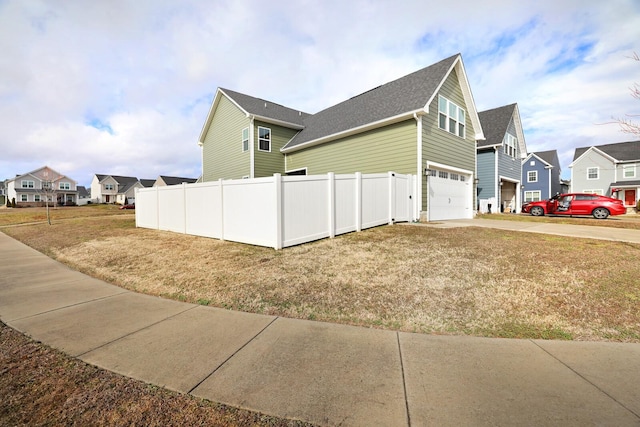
<point>423,124</point>
<point>541,176</point>
<point>500,157</point>
<point>40,186</point>
<point>609,169</point>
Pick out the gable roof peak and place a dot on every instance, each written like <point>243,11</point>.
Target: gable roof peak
<point>619,151</point>
<point>391,102</point>
<point>495,123</point>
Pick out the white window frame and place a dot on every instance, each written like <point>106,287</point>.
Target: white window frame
<point>597,173</point>
<point>532,196</point>
<point>36,198</point>
<point>26,183</point>
<point>535,179</point>
<point>24,197</point>
<point>245,141</point>
<point>510,144</point>
<point>64,186</point>
<point>597,191</point>
<point>451,108</point>
<point>261,139</point>
<point>109,187</point>
<point>627,168</point>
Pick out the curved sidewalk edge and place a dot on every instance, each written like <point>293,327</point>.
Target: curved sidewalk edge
<point>317,372</point>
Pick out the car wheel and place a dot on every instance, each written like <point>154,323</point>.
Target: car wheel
<point>600,213</point>
<point>537,211</point>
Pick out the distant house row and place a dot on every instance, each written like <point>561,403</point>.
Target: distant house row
<point>43,185</point>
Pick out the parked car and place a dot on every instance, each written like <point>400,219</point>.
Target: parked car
<point>128,207</point>
<point>576,204</point>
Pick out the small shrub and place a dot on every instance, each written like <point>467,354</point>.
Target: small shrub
<point>13,202</point>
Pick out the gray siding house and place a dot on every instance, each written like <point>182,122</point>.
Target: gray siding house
<point>541,176</point>
<point>500,160</point>
<point>610,169</point>
<point>423,124</point>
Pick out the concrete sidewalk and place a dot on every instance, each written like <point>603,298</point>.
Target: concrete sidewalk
<point>318,372</point>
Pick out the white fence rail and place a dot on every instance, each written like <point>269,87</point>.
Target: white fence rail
<point>279,211</point>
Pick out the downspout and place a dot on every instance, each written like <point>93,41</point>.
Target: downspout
<point>496,208</point>
<point>419,170</point>
<point>252,162</point>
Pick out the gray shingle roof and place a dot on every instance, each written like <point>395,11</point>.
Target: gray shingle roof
<point>550,157</point>
<point>82,191</point>
<point>122,180</point>
<point>174,180</point>
<point>495,123</point>
<point>268,109</point>
<point>621,151</point>
<point>404,95</point>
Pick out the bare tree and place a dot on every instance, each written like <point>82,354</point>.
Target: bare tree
<point>628,124</point>
<point>48,191</point>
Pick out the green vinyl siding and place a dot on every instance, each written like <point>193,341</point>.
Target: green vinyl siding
<point>268,163</point>
<point>443,147</point>
<point>222,155</point>
<point>390,148</point>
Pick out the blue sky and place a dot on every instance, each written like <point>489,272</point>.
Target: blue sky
<point>123,87</point>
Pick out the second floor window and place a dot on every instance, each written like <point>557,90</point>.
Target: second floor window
<point>510,144</point>
<point>450,117</point>
<point>65,186</point>
<point>629,171</point>
<point>28,184</point>
<point>264,139</point>
<point>532,176</point>
<point>108,186</point>
<point>245,139</point>
<point>592,173</point>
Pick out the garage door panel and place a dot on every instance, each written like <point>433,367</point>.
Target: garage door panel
<point>449,198</point>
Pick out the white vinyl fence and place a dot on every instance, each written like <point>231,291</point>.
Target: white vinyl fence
<point>279,211</point>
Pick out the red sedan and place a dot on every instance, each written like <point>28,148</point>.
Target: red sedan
<point>576,204</point>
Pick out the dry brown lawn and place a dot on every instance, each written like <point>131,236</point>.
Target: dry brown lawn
<point>471,281</point>
<point>40,386</point>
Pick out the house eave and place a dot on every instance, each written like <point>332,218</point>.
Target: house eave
<point>276,122</point>
<point>354,131</point>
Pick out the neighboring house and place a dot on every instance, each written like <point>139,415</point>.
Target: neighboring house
<point>609,169</point>
<point>423,124</point>
<point>3,198</point>
<point>541,176</point>
<point>500,160</point>
<point>117,189</point>
<point>84,197</point>
<point>41,185</point>
<point>172,180</point>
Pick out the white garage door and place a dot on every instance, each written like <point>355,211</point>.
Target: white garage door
<point>449,195</point>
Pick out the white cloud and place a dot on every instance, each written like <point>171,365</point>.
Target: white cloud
<point>123,87</point>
